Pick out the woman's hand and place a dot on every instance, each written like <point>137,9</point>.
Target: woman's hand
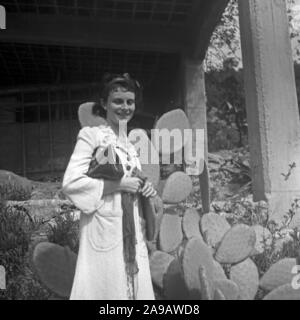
<point>148,190</point>
<point>130,184</point>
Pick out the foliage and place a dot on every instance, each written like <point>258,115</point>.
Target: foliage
<point>16,229</point>
<point>226,111</point>
<point>65,231</point>
<point>225,42</point>
<point>14,191</point>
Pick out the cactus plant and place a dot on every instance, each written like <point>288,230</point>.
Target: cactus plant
<point>170,234</point>
<point>86,116</point>
<point>213,228</point>
<point>174,285</point>
<point>219,295</point>
<point>279,274</point>
<point>229,289</point>
<point>172,120</point>
<point>174,209</point>
<point>159,264</point>
<point>205,284</point>
<point>189,265</point>
<point>284,292</point>
<point>55,266</point>
<point>218,272</point>
<point>190,223</point>
<point>245,275</point>
<point>148,155</point>
<point>236,245</point>
<point>176,188</point>
<point>153,212</point>
<point>196,253</point>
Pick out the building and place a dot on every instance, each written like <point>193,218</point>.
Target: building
<point>53,53</point>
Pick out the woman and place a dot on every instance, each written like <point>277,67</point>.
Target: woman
<point>101,270</point>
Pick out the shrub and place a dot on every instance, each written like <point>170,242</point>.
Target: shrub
<point>16,228</point>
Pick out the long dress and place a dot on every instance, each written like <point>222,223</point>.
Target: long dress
<point>100,269</point>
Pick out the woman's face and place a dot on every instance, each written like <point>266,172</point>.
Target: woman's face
<point>120,105</point>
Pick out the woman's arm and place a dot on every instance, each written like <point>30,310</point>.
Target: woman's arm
<point>85,192</point>
<point>127,184</point>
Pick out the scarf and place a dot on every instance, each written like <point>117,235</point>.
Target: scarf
<point>114,172</point>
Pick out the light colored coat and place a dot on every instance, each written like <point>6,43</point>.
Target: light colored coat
<point>100,270</point>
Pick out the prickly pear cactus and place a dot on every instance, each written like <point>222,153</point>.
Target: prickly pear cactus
<point>205,284</point>
<point>218,272</point>
<point>213,228</point>
<point>284,292</point>
<point>174,285</point>
<point>170,234</point>
<point>279,274</point>
<point>159,264</point>
<point>148,155</point>
<point>236,245</point>
<point>153,211</point>
<point>174,209</point>
<point>219,295</point>
<point>196,253</point>
<point>190,223</point>
<point>172,120</point>
<point>176,188</point>
<point>229,289</point>
<point>86,116</point>
<point>55,266</point>
<point>245,275</point>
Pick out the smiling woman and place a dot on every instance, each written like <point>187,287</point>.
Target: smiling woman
<point>113,260</point>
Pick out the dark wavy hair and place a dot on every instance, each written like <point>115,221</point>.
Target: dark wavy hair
<point>112,81</point>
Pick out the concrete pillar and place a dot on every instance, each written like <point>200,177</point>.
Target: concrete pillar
<point>272,111</point>
<point>194,99</point>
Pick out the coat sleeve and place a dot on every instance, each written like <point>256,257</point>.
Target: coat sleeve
<point>86,193</point>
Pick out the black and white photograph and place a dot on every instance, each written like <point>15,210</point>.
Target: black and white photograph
<point>150,151</point>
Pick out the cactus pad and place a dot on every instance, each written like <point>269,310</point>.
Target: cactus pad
<point>159,264</point>
<point>213,228</point>
<point>86,116</point>
<point>196,253</point>
<point>190,223</point>
<point>219,295</point>
<point>172,120</point>
<point>148,155</point>
<point>176,188</point>
<point>218,272</point>
<point>170,234</point>
<point>245,275</point>
<point>236,245</point>
<point>153,211</point>
<point>174,285</point>
<point>205,284</point>
<point>174,209</point>
<point>284,292</point>
<point>280,273</point>
<point>55,266</point>
<point>228,288</point>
